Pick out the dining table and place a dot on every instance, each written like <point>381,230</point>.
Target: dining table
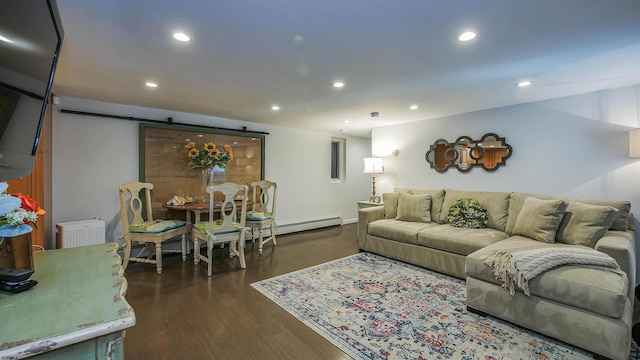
<point>199,207</point>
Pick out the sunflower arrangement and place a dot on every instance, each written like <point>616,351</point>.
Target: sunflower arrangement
<point>209,155</point>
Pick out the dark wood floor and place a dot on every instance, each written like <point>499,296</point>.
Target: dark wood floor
<point>183,314</point>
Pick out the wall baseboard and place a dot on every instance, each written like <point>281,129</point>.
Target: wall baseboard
<point>309,225</point>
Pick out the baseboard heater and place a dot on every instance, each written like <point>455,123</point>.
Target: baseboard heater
<point>80,233</point>
<point>309,225</point>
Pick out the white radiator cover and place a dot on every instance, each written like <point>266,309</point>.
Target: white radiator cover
<point>80,233</point>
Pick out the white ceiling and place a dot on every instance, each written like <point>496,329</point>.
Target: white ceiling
<point>247,55</point>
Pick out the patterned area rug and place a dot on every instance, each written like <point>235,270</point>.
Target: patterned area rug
<point>372,307</point>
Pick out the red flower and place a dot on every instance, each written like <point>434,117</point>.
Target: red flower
<point>30,205</point>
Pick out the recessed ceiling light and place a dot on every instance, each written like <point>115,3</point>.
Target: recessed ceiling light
<point>338,84</point>
<point>181,37</point>
<point>275,107</point>
<point>413,107</point>
<point>344,130</point>
<point>523,83</point>
<point>5,39</point>
<point>466,36</point>
<point>346,121</point>
<point>151,84</point>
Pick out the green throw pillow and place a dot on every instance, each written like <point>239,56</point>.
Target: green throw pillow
<point>468,213</point>
<point>204,227</point>
<point>414,207</point>
<point>540,219</point>
<point>157,226</point>
<point>585,224</point>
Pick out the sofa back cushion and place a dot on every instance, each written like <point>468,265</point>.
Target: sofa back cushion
<point>414,207</point>
<point>585,224</point>
<point>620,222</point>
<point>497,204</point>
<point>540,219</point>
<point>390,203</point>
<point>437,198</point>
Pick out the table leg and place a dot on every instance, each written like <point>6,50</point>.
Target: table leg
<point>189,231</point>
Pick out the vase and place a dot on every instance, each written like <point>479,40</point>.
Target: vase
<point>207,179</point>
<point>211,176</point>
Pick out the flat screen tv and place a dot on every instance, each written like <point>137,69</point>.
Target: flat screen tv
<point>30,40</point>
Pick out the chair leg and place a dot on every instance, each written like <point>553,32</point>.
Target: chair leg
<point>159,257</point>
<point>184,248</point>
<point>273,234</point>
<point>127,252</point>
<point>253,235</point>
<point>260,240</point>
<point>240,246</point>
<point>209,260</point>
<point>196,250</point>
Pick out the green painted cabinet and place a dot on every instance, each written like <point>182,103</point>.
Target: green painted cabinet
<point>77,310</point>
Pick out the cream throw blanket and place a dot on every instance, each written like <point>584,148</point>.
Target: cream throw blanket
<point>516,266</point>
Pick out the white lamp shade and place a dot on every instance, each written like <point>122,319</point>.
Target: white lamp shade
<point>634,143</point>
<point>373,166</point>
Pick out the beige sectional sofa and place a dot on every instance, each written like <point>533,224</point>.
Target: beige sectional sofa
<point>587,306</point>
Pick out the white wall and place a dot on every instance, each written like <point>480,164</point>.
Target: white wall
<point>574,146</point>
<point>92,156</point>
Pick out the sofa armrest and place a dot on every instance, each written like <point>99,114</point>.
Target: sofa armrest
<point>365,216</point>
<point>620,245</point>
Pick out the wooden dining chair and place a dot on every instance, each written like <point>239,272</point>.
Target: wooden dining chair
<point>139,226</point>
<point>230,228</point>
<point>262,216</point>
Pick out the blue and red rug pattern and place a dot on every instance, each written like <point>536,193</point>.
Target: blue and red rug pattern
<point>372,307</point>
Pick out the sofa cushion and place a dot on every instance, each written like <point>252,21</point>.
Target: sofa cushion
<point>414,207</point>
<point>590,288</point>
<point>157,226</point>
<point>540,219</point>
<point>397,230</point>
<point>460,241</point>
<point>390,203</point>
<point>497,204</point>
<point>584,224</point>
<point>621,221</point>
<point>437,197</point>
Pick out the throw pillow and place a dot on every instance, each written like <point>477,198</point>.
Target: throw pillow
<point>390,202</point>
<point>540,219</point>
<point>584,224</point>
<point>468,213</point>
<point>414,207</point>
<point>157,226</point>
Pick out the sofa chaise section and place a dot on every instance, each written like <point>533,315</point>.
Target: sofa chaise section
<point>586,306</point>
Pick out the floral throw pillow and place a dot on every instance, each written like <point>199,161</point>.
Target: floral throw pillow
<point>468,213</point>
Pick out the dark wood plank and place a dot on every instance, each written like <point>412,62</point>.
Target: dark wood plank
<point>183,314</point>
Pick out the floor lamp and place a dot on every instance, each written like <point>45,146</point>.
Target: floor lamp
<point>373,166</point>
